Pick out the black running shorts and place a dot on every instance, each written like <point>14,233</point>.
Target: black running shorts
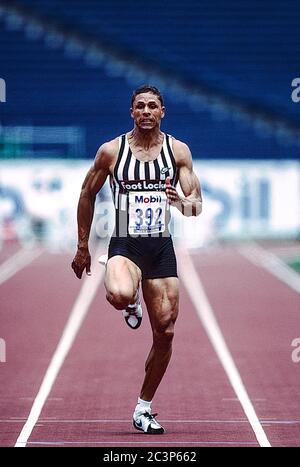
<point>154,256</point>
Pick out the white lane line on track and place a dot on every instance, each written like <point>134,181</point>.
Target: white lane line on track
<point>205,312</point>
<point>77,315</point>
<point>267,260</point>
<point>18,261</point>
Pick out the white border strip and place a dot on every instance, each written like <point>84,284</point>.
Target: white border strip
<point>267,260</point>
<point>17,262</point>
<point>205,312</point>
<point>77,315</point>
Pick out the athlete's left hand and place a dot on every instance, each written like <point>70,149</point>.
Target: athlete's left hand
<point>172,195</point>
<point>81,262</point>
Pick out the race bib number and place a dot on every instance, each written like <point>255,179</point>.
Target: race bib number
<point>147,212</point>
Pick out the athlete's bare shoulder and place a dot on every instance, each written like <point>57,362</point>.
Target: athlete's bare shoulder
<point>107,154</point>
<point>181,152</point>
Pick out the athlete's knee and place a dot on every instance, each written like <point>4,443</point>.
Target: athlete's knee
<point>163,333</point>
<point>119,298</point>
<point>162,340</point>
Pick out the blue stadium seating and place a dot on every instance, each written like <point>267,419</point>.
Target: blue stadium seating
<point>237,50</point>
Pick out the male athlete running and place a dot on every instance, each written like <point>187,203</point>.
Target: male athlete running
<point>144,166</point>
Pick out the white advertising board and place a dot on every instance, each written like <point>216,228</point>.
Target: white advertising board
<point>241,199</point>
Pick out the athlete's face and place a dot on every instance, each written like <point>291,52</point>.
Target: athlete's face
<point>147,111</point>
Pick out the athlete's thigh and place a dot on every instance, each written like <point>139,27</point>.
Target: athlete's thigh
<point>162,298</point>
<point>121,273</point>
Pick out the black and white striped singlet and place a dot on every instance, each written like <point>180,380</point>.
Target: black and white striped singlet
<point>134,176</point>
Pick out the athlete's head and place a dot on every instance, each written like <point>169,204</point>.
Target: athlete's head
<point>147,107</point>
<point>147,88</point>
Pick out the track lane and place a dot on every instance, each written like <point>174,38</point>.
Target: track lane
<point>259,316</point>
<point>77,315</point>
<point>33,312</point>
<point>208,320</point>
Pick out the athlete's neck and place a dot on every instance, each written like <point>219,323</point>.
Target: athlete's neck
<point>145,139</point>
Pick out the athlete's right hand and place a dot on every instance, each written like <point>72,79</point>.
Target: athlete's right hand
<point>81,262</point>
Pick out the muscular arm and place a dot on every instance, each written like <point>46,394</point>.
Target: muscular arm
<point>92,184</point>
<point>191,203</point>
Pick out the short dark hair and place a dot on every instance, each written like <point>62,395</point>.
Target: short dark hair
<point>147,88</point>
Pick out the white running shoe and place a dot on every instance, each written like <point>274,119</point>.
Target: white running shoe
<point>133,313</point>
<point>145,421</point>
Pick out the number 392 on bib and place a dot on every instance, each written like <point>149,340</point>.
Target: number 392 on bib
<point>147,212</point>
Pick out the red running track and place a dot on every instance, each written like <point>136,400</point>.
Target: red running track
<point>94,394</point>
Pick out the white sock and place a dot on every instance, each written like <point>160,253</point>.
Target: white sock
<point>143,406</point>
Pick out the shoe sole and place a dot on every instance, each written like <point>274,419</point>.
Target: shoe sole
<point>138,323</point>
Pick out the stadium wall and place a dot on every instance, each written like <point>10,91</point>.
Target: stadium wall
<point>241,200</point>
